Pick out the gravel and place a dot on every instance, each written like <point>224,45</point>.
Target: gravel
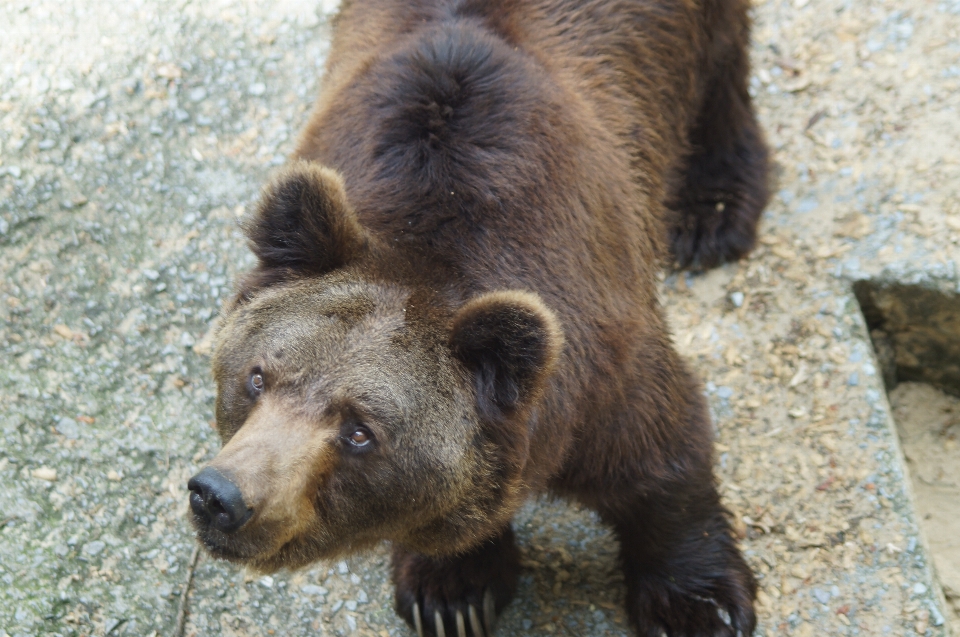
<point>132,137</point>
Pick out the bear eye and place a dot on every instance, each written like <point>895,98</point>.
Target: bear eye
<point>256,381</point>
<point>360,437</point>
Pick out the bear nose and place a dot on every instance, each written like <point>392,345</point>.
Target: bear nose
<point>217,500</point>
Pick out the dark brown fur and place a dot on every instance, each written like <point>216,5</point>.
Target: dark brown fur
<point>471,282</point>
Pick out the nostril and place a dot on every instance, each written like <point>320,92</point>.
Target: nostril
<point>214,507</point>
<point>198,506</point>
<point>217,501</point>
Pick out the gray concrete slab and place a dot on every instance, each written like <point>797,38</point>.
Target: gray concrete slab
<point>133,134</point>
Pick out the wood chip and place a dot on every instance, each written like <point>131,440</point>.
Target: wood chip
<point>64,331</point>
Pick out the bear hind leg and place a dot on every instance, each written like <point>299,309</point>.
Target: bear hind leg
<point>723,188</point>
<point>724,194</point>
<point>458,595</point>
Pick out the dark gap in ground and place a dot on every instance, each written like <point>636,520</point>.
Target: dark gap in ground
<point>916,334</point>
<point>915,331</point>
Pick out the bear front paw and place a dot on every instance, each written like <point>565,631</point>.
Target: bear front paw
<point>456,596</point>
<point>473,623</point>
<point>659,606</point>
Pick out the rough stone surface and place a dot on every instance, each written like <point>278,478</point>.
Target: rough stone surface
<point>133,134</point>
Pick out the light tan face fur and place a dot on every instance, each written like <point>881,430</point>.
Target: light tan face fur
<point>279,459</point>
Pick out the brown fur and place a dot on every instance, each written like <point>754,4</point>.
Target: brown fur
<point>460,265</point>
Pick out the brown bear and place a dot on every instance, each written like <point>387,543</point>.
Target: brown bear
<point>455,304</point>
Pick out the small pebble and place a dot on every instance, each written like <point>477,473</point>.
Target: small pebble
<point>93,548</point>
<point>45,473</point>
<point>68,428</point>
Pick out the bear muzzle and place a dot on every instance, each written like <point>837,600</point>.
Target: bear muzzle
<point>259,494</point>
<point>217,501</point>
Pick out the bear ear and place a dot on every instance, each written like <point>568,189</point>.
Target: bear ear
<point>303,223</point>
<point>511,342</point>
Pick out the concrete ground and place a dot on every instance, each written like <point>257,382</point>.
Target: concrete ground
<point>132,136</point>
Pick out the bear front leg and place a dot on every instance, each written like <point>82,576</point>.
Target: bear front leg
<point>457,595</point>
<point>685,575</point>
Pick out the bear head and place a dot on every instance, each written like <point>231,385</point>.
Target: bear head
<point>359,398</point>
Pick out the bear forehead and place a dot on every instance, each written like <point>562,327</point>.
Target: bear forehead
<point>336,342</point>
<point>347,302</point>
<point>315,321</point>
<point>318,302</point>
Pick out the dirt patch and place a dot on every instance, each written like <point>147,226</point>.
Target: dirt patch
<point>929,425</point>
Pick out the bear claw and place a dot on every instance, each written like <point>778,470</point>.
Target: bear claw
<point>438,624</point>
<point>489,611</point>
<point>417,622</point>
<point>477,628</point>
<point>475,622</point>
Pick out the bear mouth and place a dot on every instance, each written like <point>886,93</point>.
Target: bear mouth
<point>246,551</point>
<point>227,550</point>
<point>229,547</point>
